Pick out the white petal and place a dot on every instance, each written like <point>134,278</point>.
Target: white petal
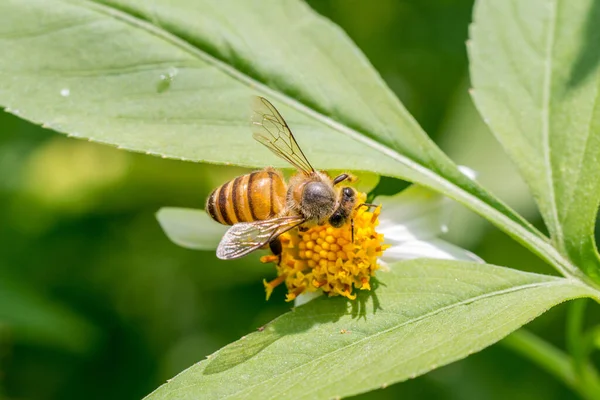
<point>434,248</point>
<point>190,228</point>
<point>306,297</point>
<point>415,213</point>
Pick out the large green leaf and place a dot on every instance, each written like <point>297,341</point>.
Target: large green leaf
<point>424,314</point>
<point>173,78</point>
<point>535,67</point>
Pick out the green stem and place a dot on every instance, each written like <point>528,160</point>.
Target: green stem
<point>575,342</point>
<point>580,344</point>
<point>589,340</point>
<point>555,362</point>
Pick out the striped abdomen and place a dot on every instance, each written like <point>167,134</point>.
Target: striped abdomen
<point>252,197</point>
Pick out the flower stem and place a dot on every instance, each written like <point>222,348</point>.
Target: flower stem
<point>556,362</point>
<point>574,334</point>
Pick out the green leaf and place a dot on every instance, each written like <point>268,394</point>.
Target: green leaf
<point>536,75</point>
<point>174,78</point>
<point>424,314</point>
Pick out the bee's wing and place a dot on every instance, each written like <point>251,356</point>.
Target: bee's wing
<point>245,237</point>
<point>270,129</point>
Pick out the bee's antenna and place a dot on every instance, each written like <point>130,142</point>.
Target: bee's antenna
<point>344,177</point>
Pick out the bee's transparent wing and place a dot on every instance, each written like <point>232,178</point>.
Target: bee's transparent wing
<point>245,237</point>
<point>270,129</point>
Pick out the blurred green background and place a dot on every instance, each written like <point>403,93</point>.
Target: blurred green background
<point>96,303</point>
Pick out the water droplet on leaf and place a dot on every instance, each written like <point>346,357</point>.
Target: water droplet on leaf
<point>166,80</point>
<point>10,110</point>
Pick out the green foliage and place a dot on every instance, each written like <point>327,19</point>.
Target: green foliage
<point>536,75</point>
<point>33,319</point>
<point>202,113</point>
<point>425,314</point>
<point>173,78</point>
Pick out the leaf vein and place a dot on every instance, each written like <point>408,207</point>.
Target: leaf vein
<point>555,226</point>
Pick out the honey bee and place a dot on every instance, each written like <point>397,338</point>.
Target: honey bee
<point>260,206</point>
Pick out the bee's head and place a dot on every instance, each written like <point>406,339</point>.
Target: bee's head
<point>346,203</point>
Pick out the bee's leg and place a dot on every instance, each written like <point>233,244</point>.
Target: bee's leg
<point>303,228</point>
<point>276,248</point>
<point>352,227</point>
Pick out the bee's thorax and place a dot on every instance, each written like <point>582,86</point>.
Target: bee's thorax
<point>312,197</point>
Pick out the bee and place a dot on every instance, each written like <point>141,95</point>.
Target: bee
<point>260,206</point>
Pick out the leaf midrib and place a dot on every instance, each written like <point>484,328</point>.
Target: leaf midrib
<point>524,232</point>
<point>546,99</point>
<point>554,282</point>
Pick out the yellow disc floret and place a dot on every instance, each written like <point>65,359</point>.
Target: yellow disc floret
<point>335,260</point>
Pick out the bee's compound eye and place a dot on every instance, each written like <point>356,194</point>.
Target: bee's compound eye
<point>348,192</point>
<point>336,220</point>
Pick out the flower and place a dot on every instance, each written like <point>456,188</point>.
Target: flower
<point>334,261</point>
<point>326,260</point>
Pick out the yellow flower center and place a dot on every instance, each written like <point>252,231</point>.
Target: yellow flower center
<point>335,260</point>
